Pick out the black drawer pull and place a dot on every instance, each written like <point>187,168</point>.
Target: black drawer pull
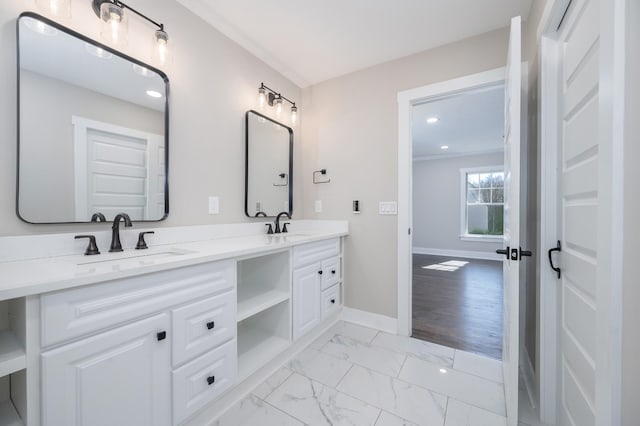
<point>210,325</point>
<point>211,380</point>
<point>161,336</point>
<point>320,272</point>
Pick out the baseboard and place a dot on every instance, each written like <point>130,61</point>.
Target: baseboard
<point>369,319</point>
<point>529,376</point>
<point>458,253</point>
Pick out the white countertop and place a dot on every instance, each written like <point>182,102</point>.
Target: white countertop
<point>35,276</point>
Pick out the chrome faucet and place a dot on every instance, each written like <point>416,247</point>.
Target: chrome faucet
<point>115,231</point>
<point>284,228</point>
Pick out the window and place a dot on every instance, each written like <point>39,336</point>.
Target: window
<point>483,202</point>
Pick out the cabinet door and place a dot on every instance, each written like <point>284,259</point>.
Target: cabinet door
<point>306,299</point>
<point>120,377</point>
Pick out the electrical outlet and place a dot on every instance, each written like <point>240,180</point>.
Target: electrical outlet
<point>388,207</point>
<point>214,205</point>
<point>318,206</point>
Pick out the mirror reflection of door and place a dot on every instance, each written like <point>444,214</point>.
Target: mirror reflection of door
<point>117,170</point>
<point>269,145</point>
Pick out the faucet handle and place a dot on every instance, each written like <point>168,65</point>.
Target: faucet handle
<point>92,248</point>
<point>270,229</point>
<point>142,244</point>
<point>284,227</point>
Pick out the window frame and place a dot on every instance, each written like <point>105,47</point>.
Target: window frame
<point>464,236</point>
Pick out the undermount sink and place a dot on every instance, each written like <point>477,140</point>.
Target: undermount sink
<point>140,258</point>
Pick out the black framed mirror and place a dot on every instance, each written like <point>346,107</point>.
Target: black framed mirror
<point>93,129</point>
<point>268,166</point>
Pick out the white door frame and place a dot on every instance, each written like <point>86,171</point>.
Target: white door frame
<point>611,191</point>
<point>406,100</point>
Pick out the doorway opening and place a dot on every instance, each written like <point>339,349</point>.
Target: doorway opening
<point>457,222</point>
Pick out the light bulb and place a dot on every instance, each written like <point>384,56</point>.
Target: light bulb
<point>114,23</point>
<point>294,115</point>
<point>278,103</point>
<point>262,97</point>
<point>160,53</point>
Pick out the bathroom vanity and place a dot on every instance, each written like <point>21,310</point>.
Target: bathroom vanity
<point>152,337</point>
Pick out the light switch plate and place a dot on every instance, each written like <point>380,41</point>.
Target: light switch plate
<point>318,206</point>
<point>214,205</point>
<point>388,207</point>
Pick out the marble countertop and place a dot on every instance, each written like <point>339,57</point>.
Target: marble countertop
<point>35,276</point>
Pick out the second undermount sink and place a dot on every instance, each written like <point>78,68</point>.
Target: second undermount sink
<point>139,257</point>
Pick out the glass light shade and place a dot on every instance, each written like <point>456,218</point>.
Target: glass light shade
<point>55,8</point>
<point>160,50</point>
<point>262,97</point>
<point>278,104</point>
<point>114,24</point>
<point>294,116</point>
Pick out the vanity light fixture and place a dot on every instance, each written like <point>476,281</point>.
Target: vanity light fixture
<point>114,27</point>
<point>55,8</point>
<point>268,96</point>
<point>97,51</point>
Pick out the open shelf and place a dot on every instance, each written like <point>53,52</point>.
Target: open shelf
<point>9,415</point>
<point>255,349</point>
<point>12,355</point>
<point>252,301</point>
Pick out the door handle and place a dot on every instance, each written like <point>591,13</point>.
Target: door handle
<point>504,251</point>
<point>557,248</point>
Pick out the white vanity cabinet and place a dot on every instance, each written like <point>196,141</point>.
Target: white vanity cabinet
<point>317,277</point>
<point>147,350</point>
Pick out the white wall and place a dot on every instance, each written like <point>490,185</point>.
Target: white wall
<point>631,269</point>
<point>213,82</point>
<point>436,203</point>
<point>351,131</point>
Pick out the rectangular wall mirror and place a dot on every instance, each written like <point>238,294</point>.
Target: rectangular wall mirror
<point>92,129</point>
<point>269,166</point>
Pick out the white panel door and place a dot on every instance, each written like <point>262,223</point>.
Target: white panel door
<point>117,174</point>
<point>307,284</point>
<point>120,377</point>
<point>511,264</point>
<point>578,212</point>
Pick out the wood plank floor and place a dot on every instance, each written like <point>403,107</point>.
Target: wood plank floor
<point>461,309</point>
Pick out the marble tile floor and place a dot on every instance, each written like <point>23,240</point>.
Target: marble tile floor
<point>353,376</point>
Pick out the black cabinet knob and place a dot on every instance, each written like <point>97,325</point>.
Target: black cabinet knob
<point>333,300</point>
<point>319,272</point>
<point>333,271</point>
<point>211,380</point>
<point>210,325</point>
<point>161,336</point>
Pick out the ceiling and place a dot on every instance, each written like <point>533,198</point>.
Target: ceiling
<point>469,122</point>
<point>113,76</point>
<point>310,41</point>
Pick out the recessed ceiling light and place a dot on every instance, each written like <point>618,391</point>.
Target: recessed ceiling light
<point>443,370</point>
<point>154,94</point>
<point>444,147</point>
<point>432,120</point>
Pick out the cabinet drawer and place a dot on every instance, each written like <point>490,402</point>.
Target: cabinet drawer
<point>331,273</point>
<point>331,301</point>
<point>314,252</point>
<point>202,380</point>
<point>202,326</point>
<point>72,313</point>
